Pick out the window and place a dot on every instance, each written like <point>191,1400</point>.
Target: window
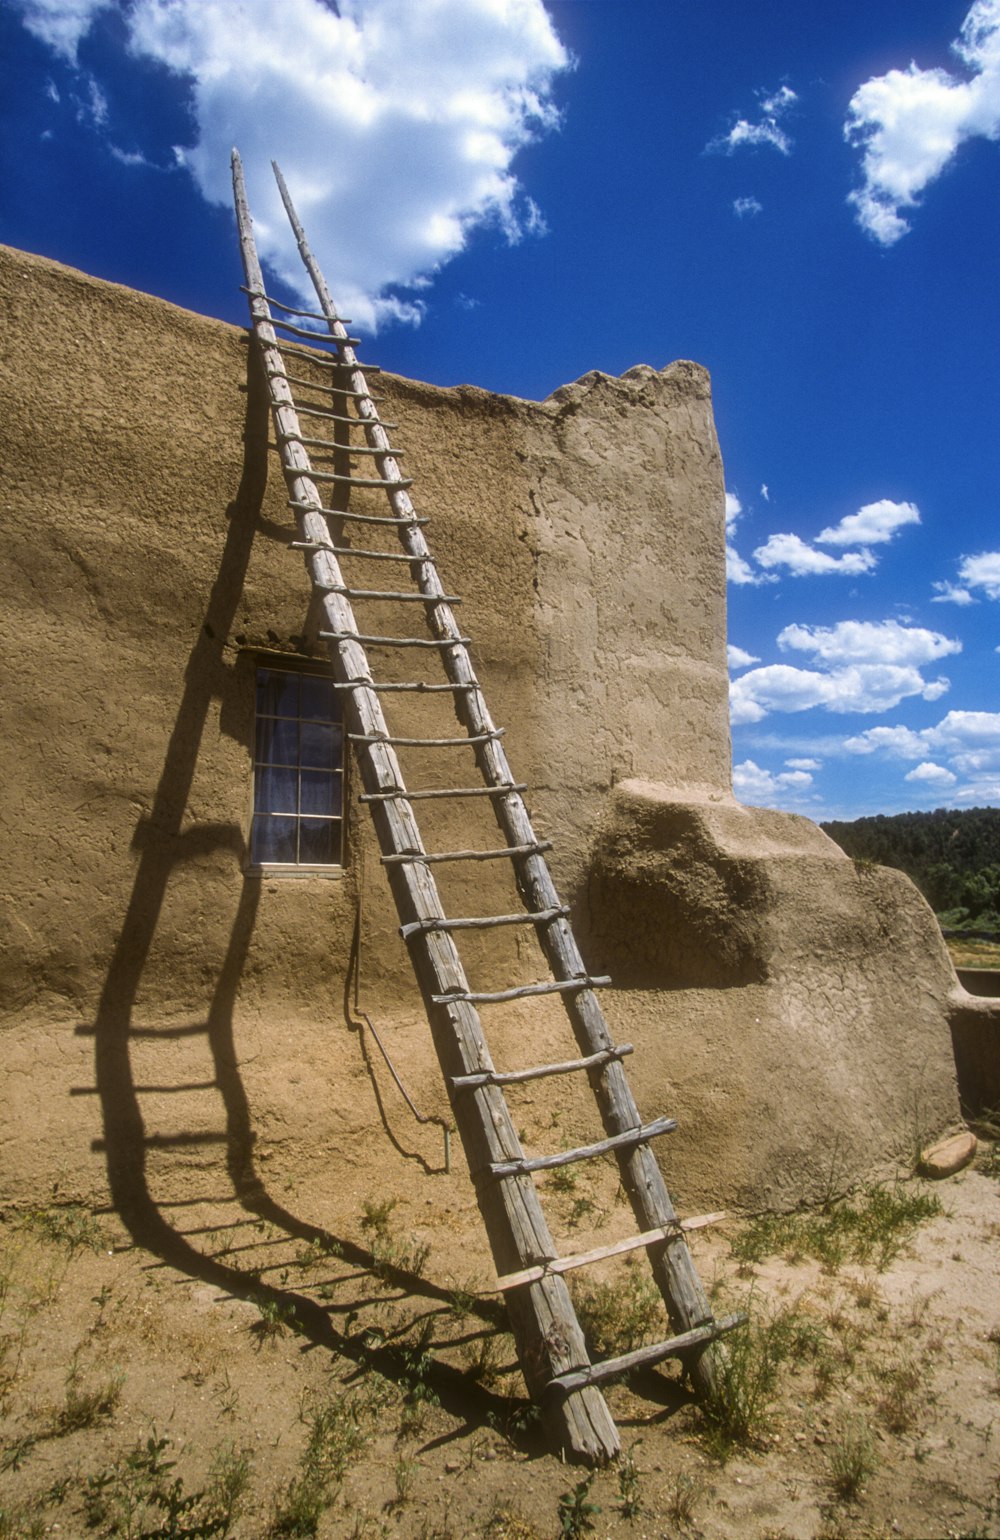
<point>298,770</point>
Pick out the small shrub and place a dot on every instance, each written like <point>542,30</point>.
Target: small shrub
<point>852,1459</point>
<point>681,1499</point>
<point>85,1408</point>
<point>71,1226</point>
<point>871,1228</point>
<point>902,1386</point>
<point>576,1511</point>
<point>748,1375</point>
<point>390,1254</point>
<point>629,1500</point>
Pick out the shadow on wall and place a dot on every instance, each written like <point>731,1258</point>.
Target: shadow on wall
<point>119,1042</point>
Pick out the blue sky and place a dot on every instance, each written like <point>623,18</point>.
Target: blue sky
<point>802,198</point>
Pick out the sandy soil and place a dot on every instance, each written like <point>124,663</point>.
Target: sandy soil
<point>294,1356</point>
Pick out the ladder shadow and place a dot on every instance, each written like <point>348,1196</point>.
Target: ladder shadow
<point>161,845</point>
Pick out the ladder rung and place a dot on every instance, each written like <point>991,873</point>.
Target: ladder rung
<point>356,518</point>
<point>602,1253</point>
<point>354,422</point>
<point>469,855</point>
<point>399,795</point>
<point>393,641</point>
<point>518,1076</point>
<point>352,481</point>
<point>497,997</point>
<point>379,593</point>
<point>313,315</point>
<point>392,688</point>
<point>674,1347</point>
<point>325,363</point>
<point>297,379</point>
<point>632,1136</point>
<point>304,331</point>
<point>483,922</point>
<point>354,550</point>
<point>335,448</point>
<point>427,743</point>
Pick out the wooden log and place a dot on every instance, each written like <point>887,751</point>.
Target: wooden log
<point>633,1136</point>
<point>402,856</point>
<point>519,991</point>
<point>687,1304</point>
<point>357,481</point>
<point>416,743</point>
<point>381,594</point>
<point>328,416</point>
<point>540,1071</point>
<point>484,921</point>
<point>447,791</point>
<point>601,1253</point>
<point>324,385</point>
<point>385,641</point>
<point>547,1332</point>
<point>346,516</point>
<point>645,1357</point>
<point>350,550</point>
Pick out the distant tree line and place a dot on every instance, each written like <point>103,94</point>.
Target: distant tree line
<point>953,857</point>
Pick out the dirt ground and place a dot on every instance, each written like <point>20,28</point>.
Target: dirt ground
<point>251,1373</point>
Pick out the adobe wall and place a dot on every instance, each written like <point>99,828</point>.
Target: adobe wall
<point>173,1023</point>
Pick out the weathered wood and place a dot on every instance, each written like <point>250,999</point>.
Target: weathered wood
<point>540,1071</point>
<point>548,1335</point>
<point>687,1304</point>
<point>314,357</point>
<point>519,991</point>
<point>483,922</point>
<point>402,856</point>
<point>391,688</point>
<point>443,792</point>
<point>345,514</point>
<point>305,331</point>
<point>355,481</point>
<point>277,304</point>
<point>633,1136</point>
<point>352,422</point>
<point>645,1357</point>
<point>385,641</point>
<point>350,550</point>
<point>600,1253</point>
<point>324,385</point>
<point>375,593</point>
<point>334,447</point>
<point>418,743</point>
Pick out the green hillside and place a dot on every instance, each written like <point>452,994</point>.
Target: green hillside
<point>953,857</point>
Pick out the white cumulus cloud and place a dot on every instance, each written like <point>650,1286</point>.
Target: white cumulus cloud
<point>738,658</point>
<point>857,687</point>
<point>742,207</point>
<point>765,131</point>
<point>803,560</point>
<point>871,525</point>
<point>61,24</point>
<point>396,124</point>
<point>930,774</point>
<point>910,123</point>
<point>863,641</point>
<point>752,783</point>
<point>982,572</point>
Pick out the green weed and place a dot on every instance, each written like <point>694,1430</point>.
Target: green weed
<point>390,1253</point>
<point>748,1376</point>
<point>71,1226</point>
<point>852,1458</point>
<point>629,1500</point>
<point>84,1408</point>
<point>618,1317</point>
<point>576,1511</point>
<point>872,1227</point>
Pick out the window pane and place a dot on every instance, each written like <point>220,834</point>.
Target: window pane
<point>320,792</point>
<point>277,692</point>
<point>277,741</point>
<point>273,840</point>
<point>320,741</point>
<point>319,699</point>
<point>319,841</point>
<point>275,789</point>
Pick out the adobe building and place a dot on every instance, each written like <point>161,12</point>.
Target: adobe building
<point>183,990</point>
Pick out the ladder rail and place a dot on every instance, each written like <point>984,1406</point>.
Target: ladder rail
<point>542,1315</point>
<point>687,1303</point>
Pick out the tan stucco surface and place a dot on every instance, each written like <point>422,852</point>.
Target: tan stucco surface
<point>165,1009</point>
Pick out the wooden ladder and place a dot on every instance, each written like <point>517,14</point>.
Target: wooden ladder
<point>550,1343</point>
